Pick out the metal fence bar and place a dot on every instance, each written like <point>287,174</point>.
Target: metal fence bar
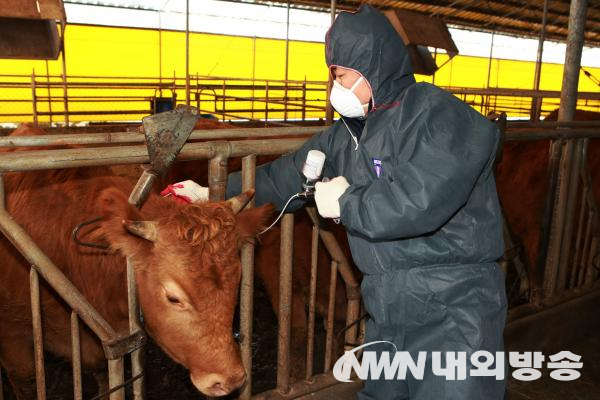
<point>116,376</point>
<point>285,299</point>
<point>38,341</point>
<point>76,357</point>
<point>217,171</point>
<point>247,284</point>
<point>54,276</point>
<point>567,244</point>
<point>310,340</point>
<point>329,340</point>
<point>244,133</point>
<point>591,267</point>
<point>586,251</point>
<point>579,238</point>
<point>137,356</point>
<point>90,157</point>
<point>136,137</point>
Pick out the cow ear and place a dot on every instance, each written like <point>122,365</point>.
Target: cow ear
<point>113,206</point>
<point>252,221</point>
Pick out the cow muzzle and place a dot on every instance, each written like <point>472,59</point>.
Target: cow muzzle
<point>219,384</point>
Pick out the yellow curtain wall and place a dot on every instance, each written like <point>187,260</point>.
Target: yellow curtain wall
<point>97,51</point>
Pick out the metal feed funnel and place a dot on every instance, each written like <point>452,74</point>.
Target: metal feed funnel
<point>166,133</point>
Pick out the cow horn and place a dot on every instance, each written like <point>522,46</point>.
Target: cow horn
<point>144,229</point>
<point>238,202</point>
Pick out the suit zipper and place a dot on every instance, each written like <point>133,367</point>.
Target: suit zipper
<point>351,134</point>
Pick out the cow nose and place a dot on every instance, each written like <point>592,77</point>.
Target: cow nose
<point>218,384</point>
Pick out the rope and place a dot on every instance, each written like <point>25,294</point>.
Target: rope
<point>122,385</point>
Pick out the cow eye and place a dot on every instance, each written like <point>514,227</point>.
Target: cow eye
<point>174,300</point>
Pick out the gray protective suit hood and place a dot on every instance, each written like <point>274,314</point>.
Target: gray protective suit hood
<point>421,212</point>
<point>361,42</point>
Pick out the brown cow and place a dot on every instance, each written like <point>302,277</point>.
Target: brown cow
<point>186,262</point>
<point>522,179</point>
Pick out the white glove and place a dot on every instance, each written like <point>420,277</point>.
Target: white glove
<point>186,192</point>
<point>327,195</point>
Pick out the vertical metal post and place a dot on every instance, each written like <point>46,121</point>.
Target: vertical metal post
<point>187,52</point>
<point>304,99</point>
<point>247,284</point>
<point>38,341</point>
<point>49,93</point>
<point>329,345</point>
<point>116,372</point>
<point>223,100</point>
<point>485,108</point>
<point>571,200</point>
<point>590,268</point>
<point>568,104</point>
<point>76,357</point>
<point>137,356</point>
<point>328,107</point>
<point>536,104</point>
<point>217,178</point>
<point>586,251</point>
<point>160,53</point>
<point>310,340</point>
<point>266,102</point>
<point>287,57</point>
<point>285,300</point>
<point>253,73</point>
<point>64,74</point>
<point>34,99</point>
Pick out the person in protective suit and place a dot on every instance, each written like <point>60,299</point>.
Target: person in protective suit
<point>412,183</point>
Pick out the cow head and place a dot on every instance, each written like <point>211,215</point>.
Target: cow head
<point>188,271</point>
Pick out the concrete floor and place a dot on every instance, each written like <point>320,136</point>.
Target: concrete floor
<point>586,387</point>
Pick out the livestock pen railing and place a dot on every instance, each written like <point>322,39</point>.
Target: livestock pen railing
<point>53,99</point>
<point>218,152</point>
<point>580,274</point>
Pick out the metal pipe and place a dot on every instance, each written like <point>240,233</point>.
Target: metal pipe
<point>586,252</point>
<point>217,171</point>
<point>53,275</point>
<point>489,73</point>
<point>137,356</point>
<point>337,254</point>
<point>287,57</point>
<point>571,198</point>
<point>49,93</point>
<point>64,72</point>
<point>513,134</point>
<point>590,268</point>
<point>568,103</point>
<point>34,100</point>
<point>187,52</point>
<point>312,301</point>
<point>88,157</point>
<point>537,103</point>
<point>76,357</point>
<point>329,107</point>
<point>329,344</point>
<point>116,373</point>
<point>38,341</point>
<point>247,284</point>
<point>134,137</point>
<point>579,238</point>
<point>285,299</point>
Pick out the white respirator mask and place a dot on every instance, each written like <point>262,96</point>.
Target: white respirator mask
<point>345,101</point>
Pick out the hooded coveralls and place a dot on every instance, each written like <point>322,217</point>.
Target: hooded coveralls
<point>421,213</point>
